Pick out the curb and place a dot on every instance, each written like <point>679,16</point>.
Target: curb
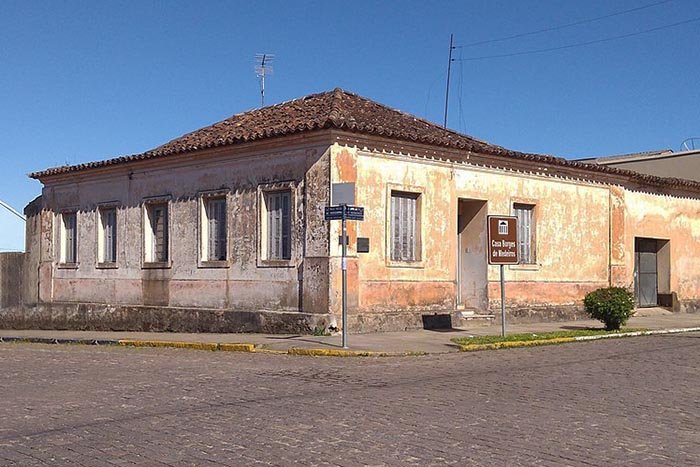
<point>637,333</point>
<point>224,347</point>
<point>58,340</point>
<point>348,353</point>
<point>514,344</point>
<point>299,351</point>
<point>563,340</point>
<point>213,346</point>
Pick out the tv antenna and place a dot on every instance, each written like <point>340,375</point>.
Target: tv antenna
<point>263,67</point>
<point>12,210</point>
<point>690,144</point>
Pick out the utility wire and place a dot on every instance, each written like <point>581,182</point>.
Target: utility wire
<point>564,26</point>
<point>579,44</point>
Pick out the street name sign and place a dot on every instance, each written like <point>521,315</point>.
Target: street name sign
<point>503,240</point>
<point>352,213</point>
<point>334,213</point>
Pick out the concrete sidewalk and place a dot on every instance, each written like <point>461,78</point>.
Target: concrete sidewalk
<point>419,341</point>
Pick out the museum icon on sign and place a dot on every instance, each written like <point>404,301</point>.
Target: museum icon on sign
<point>503,227</point>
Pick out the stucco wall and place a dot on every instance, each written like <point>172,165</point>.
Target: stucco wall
<point>584,240</point>
<point>572,238</point>
<point>667,218</point>
<point>246,283</point>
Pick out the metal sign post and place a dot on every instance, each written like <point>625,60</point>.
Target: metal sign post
<point>503,302</point>
<point>344,268</point>
<point>502,250</point>
<point>344,213</point>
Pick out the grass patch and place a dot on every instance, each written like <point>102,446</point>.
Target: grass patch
<point>532,336</point>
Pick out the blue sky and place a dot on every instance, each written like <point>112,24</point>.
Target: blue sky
<point>82,81</point>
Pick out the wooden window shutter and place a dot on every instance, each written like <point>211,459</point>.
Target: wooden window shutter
<point>395,227</point>
<point>221,232</point>
<point>69,227</point>
<point>279,225</point>
<point>526,240</point>
<point>404,229</point>
<point>286,215</point>
<point>216,212</point>
<point>159,226</point>
<point>109,227</point>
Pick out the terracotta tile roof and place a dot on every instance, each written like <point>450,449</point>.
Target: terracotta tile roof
<point>343,110</point>
<point>334,109</point>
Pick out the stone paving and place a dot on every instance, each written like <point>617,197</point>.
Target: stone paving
<point>630,401</point>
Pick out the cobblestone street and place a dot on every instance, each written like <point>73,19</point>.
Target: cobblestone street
<point>626,401</point>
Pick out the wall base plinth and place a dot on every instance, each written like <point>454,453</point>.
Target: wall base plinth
<point>100,317</point>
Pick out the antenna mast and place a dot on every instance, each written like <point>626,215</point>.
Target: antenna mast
<point>263,67</point>
<point>447,89</point>
<point>12,210</point>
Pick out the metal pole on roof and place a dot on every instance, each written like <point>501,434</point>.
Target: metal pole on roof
<point>12,210</point>
<point>447,89</point>
<point>263,67</point>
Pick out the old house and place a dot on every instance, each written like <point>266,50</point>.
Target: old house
<point>223,229</point>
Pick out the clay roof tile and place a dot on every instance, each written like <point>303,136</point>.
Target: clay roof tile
<point>344,110</point>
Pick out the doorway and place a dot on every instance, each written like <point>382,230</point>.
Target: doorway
<point>472,282</point>
<point>652,264</point>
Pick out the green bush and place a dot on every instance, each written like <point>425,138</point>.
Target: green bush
<point>611,305</point>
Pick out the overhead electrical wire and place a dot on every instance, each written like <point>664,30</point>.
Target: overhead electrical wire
<point>564,26</point>
<point>579,44</point>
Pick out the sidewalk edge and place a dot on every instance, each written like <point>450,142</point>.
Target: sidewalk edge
<point>563,340</point>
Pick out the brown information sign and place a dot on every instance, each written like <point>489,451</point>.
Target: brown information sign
<point>503,240</point>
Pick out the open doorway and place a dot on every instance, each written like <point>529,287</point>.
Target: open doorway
<point>472,281</point>
<point>652,270</point>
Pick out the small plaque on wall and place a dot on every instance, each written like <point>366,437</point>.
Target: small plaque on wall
<point>362,245</point>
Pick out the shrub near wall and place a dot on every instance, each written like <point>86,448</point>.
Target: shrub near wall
<point>611,305</point>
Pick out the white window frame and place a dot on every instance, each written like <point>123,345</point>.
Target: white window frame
<point>149,259</point>
<point>103,261</point>
<point>414,260</point>
<point>205,241</point>
<point>63,259</point>
<point>527,231</point>
<point>265,193</point>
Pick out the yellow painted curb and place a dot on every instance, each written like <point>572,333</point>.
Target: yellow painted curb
<point>514,344</point>
<point>173,344</point>
<point>189,345</point>
<point>272,351</point>
<point>335,353</point>
<point>237,347</point>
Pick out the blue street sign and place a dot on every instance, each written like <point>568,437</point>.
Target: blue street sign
<point>351,213</point>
